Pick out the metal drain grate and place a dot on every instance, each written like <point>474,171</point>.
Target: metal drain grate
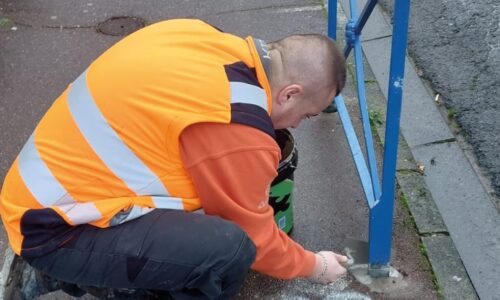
<point>120,26</point>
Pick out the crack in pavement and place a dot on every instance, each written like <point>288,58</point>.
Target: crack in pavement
<point>60,27</point>
<point>273,8</point>
<point>450,140</point>
<point>434,233</point>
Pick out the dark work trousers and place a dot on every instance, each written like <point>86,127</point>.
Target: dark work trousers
<point>192,256</point>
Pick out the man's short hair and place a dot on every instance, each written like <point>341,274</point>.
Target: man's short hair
<point>312,59</point>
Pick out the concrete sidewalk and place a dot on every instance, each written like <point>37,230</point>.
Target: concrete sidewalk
<point>46,45</point>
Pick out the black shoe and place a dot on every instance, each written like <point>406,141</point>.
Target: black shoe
<point>71,289</point>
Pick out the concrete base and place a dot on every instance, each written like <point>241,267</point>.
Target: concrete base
<point>387,285</point>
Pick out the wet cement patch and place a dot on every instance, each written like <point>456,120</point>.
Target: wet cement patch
<point>394,283</point>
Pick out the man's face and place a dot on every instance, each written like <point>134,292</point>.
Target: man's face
<point>300,107</point>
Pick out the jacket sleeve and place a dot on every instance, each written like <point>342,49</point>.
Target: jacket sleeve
<point>232,166</point>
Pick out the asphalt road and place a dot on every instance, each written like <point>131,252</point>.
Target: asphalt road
<point>456,45</point>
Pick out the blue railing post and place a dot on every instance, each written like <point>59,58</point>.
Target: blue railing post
<point>381,216</point>
<point>332,19</point>
<point>380,200</point>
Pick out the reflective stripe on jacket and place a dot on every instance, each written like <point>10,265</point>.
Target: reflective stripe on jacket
<point>107,150</point>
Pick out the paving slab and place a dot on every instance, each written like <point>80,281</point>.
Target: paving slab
<point>422,206</point>
<point>448,268</point>
<point>470,216</point>
<point>421,121</point>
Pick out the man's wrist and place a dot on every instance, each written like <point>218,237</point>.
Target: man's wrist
<point>320,268</point>
<point>324,269</point>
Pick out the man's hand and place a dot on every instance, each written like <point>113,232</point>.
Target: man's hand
<point>328,268</point>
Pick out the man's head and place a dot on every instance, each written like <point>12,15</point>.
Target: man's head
<point>307,72</point>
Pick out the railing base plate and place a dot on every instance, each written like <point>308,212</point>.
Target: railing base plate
<point>392,284</point>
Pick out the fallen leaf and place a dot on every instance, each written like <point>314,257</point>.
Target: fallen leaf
<point>420,168</point>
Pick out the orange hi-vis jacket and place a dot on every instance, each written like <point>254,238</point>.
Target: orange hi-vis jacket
<point>107,151</point>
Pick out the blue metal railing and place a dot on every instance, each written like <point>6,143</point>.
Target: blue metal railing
<point>380,199</point>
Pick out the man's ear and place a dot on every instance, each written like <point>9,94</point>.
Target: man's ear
<point>287,92</point>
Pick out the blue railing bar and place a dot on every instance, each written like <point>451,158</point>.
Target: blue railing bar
<point>357,154</point>
<point>363,108</point>
<point>332,33</point>
<point>367,10</point>
<point>353,8</point>
<point>381,216</point>
<point>332,19</point>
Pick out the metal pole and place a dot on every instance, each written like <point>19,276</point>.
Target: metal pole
<point>381,215</point>
<point>332,19</point>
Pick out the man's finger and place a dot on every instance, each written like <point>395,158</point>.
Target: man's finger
<point>341,258</point>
